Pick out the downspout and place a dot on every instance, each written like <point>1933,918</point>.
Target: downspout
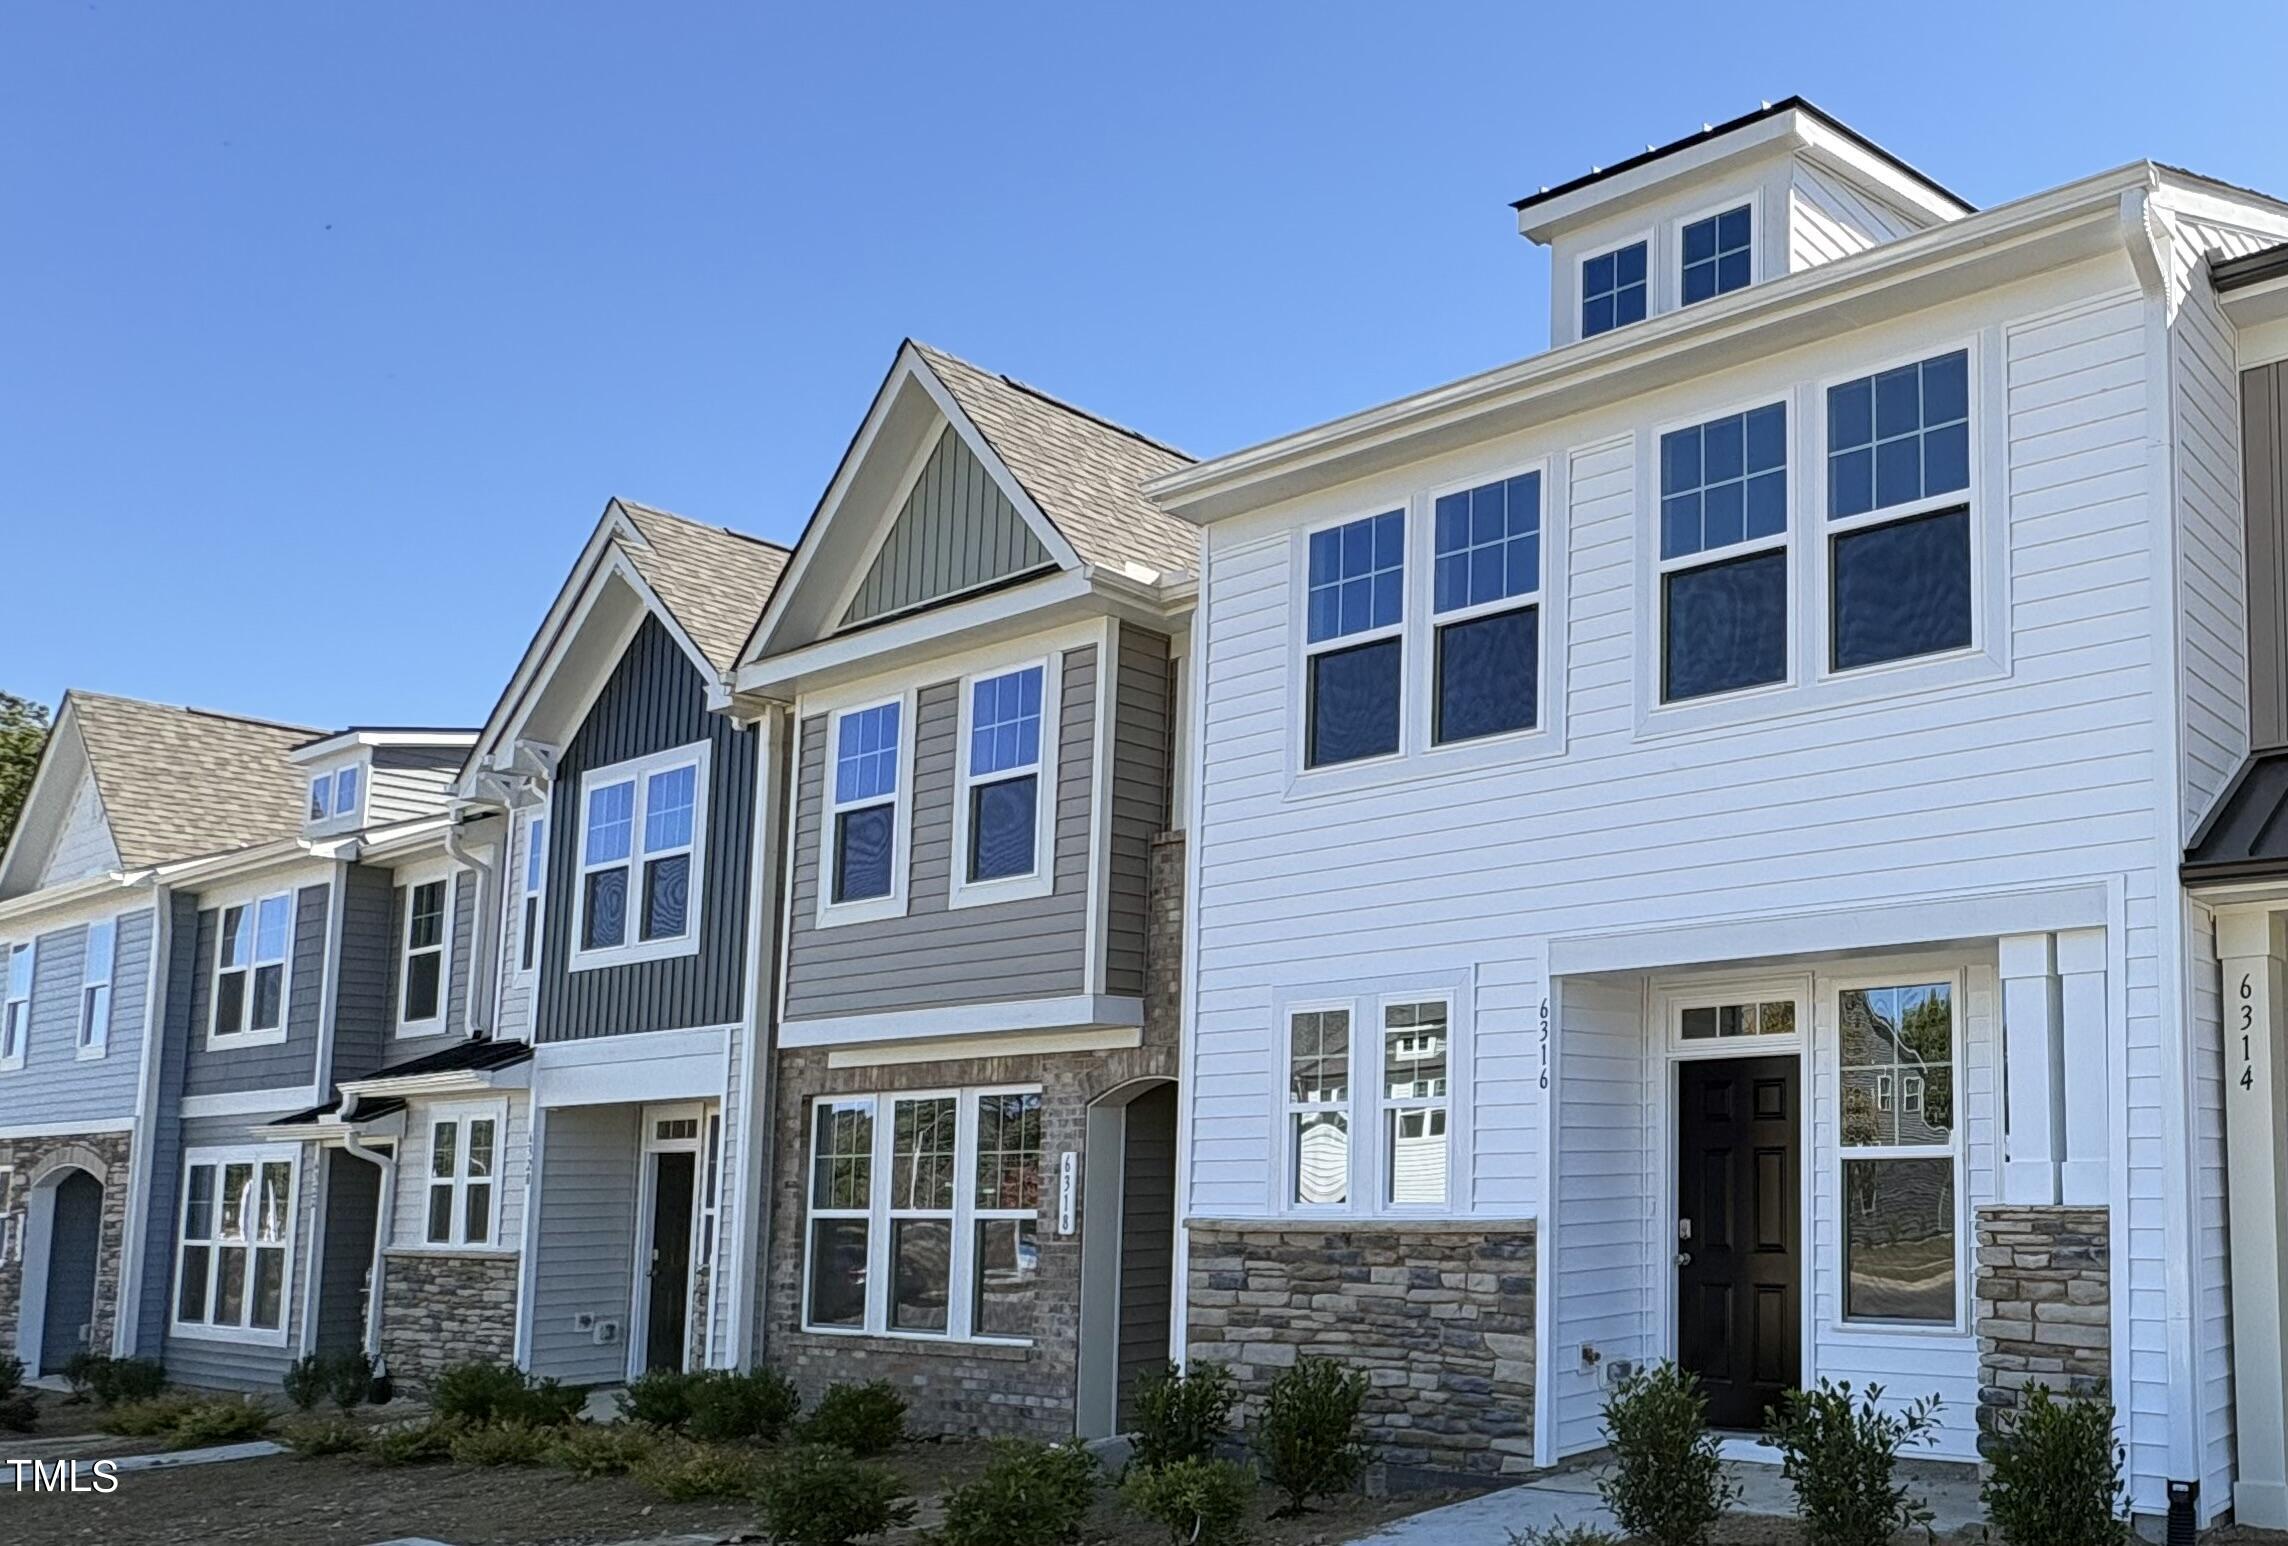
<point>384,1219</point>
<point>127,1293</point>
<point>484,931</point>
<point>759,1092</point>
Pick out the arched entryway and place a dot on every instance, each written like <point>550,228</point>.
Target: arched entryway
<point>1128,1249</point>
<point>63,1247</point>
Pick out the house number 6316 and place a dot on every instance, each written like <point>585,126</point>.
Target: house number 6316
<point>2247,1080</point>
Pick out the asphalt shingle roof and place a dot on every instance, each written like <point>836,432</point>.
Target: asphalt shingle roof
<point>715,581</point>
<point>1085,473</point>
<point>179,783</point>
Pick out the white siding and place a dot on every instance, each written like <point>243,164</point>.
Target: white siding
<point>84,846</point>
<point>514,1022</point>
<point>409,1220</point>
<point>1828,218</point>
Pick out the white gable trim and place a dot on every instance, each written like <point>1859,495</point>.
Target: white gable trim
<point>19,871</point>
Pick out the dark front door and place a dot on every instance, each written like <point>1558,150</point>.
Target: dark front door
<point>1738,1202</point>
<point>668,1318</point>
<point>74,1237</point>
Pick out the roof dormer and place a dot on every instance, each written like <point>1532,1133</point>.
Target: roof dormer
<point>1782,189</point>
<point>372,778</point>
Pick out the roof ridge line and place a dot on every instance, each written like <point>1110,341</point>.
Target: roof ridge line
<point>728,531</point>
<point>1054,401</point>
<point>192,708</point>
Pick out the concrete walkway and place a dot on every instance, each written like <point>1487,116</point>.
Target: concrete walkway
<point>1570,1498</point>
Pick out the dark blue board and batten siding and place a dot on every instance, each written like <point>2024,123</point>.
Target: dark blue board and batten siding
<point>656,700</point>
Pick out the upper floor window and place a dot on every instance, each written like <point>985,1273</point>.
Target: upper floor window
<point>421,985</point>
<point>867,774</point>
<point>464,1160</point>
<point>1723,546</point>
<point>1486,590</point>
<point>250,969</point>
<point>1000,827</point>
<point>641,843</point>
<point>1613,289</point>
<point>334,796</point>
<point>95,986</point>
<point>232,1276</point>
<point>1898,471</point>
<point>1716,254</point>
<point>534,912</point>
<point>16,1007</point>
<point>1356,607</point>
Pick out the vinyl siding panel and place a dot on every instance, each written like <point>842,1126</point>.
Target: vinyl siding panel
<point>353,1207</point>
<point>513,1020</point>
<point>584,1257</point>
<point>55,1085</point>
<point>368,972</point>
<point>955,532</point>
<point>289,1064</point>
<point>1143,733</point>
<point>2264,461</point>
<point>460,956</point>
<point>405,783</point>
<point>84,846</point>
<point>655,700</point>
<point>1831,219</point>
<point>409,1220</point>
<point>1029,948</point>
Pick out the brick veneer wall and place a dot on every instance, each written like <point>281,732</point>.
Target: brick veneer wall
<point>1441,1319</point>
<point>103,1155</point>
<point>2045,1306</point>
<point>439,1309</point>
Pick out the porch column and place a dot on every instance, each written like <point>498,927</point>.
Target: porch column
<point>2082,1037</point>
<point>2252,946</point>
<point>2033,1082</point>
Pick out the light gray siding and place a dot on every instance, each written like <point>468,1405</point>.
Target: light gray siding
<point>284,1065</point>
<point>458,959</point>
<point>55,1083</point>
<point>367,973</point>
<point>220,1365</point>
<point>1030,948</point>
<point>583,1259</point>
<point>1142,740</point>
<point>2264,445</point>
<point>955,532</point>
<point>406,782</point>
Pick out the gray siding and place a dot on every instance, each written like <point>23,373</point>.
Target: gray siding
<point>458,960</point>
<point>223,1365</point>
<point>654,701</point>
<point>353,1210</point>
<point>165,1132</point>
<point>284,1065</point>
<point>54,1083</point>
<point>1142,740</point>
<point>406,782</point>
<point>367,973</point>
<point>1147,1239</point>
<point>1030,948</point>
<point>2264,451</point>
<point>583,1258</point>
<point>955,532</point>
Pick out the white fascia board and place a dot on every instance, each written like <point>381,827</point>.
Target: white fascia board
<point>302,858</point>
<point>2077,222</point>
<point>1545,221</point>
<point>460,1081</point>
<point>406,840</point>
<point>95,893</point>
<point>355,740</point>
<point>1074,1012</point>
<point>16,1130</point>
<point>1877,174</point>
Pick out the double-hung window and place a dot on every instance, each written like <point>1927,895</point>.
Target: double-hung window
<point>1486,609</point>
<point>464,1165</point>
<point>421,981</point>
<point>16,1006</point>
<point>1716,253</point>
<point>95,986</point>
<point>1318,1107</point>
<point>535,909</point>
<point>1000,814</point>
<point>334,796</point>
<point>1414,1058</point>
<point>1901,1152</point>
<point>1723,554</point>
<point>1613,289</point>
<point>1898,479</point>
<point>252,940</point>
<point>1355,603</point>
<point>924,1214</point>
<point>867,772</point>
<point>642,839</point>
<point>231,1277</point>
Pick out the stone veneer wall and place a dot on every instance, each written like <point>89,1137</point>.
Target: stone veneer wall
<point>444,1308</point>
<point>1440,1317</point>
<point>2045,1306</point>
<point>24,1160</point>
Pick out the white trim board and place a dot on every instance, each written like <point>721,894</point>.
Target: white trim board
<point>1080,1011</point>
<point>248,1103</point>
<point>643,1066</point>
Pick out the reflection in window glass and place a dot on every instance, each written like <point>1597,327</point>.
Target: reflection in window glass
<point>1898,1065</point>
<point>1902,589</point>
<point>1613,290</point>
<point>1415,1048</point>
<point>1710,1022</point>
<point>921,1270</point>
<point>1725,626</point>
<point>1354,703</point>
<point>1008,1277</point>
<point>1322,1158</point>
<point>1716,255</point>
<point>1899,1243</point>
<point>838,1272</point>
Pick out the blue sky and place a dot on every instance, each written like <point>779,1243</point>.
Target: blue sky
<point>327,330</point>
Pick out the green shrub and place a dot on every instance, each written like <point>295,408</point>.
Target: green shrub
<point>145,1419</point>
<point>683,1472</point>
<point>80,1372</point>
<point>1199,1502</point>
<point>509,1443</point>
<point>221,1420</point>
<point>1309,1439</point>
<point>588,1450</point>
<point>18,1412</point>
<point>420,1443</point>
<point>815,1495</point>
<point>866,1420</point>
<point>305,1381</point>
<point>1841,1451</point>
<point>314,1436</point>
<point>349,1378</point>
<point>11,1375</point>
<point>754,1407</point>
<point>489,1392</point>
<point>1028,1495</point>
<point>1565,1535</point>
<point>109,1381</point>
<point>1667,1483</point>
<point>1183,1414</point>
<point>2055,1477</point>
<point>659,1398</point>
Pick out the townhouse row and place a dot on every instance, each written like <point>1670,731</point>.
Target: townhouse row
<point>1750,837</point>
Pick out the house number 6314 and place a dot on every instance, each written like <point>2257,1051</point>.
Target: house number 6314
<point>2247,1080</point>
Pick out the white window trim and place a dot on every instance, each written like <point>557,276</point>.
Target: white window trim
<point>696,755</point>
<point>532,900</point>
<point>93,1038</point>
<point>1291,1108</point>
<point>220,1039</point>
<point>1041,879</point>
<point>256,1155</point>
<point>830,913</point>
<point>963,1217</point>
<point>1306,649</point>
<point>337,819</point>
<point>1789,398</point>
<point>412,879</point>
<point>1385,1104</point>
<point>460,1114</point>
<point>1955,1150</point>
<point>1579,297</point>
<point>17,1009</point>
<point>1531,737</point>
<point>1753,197</point>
